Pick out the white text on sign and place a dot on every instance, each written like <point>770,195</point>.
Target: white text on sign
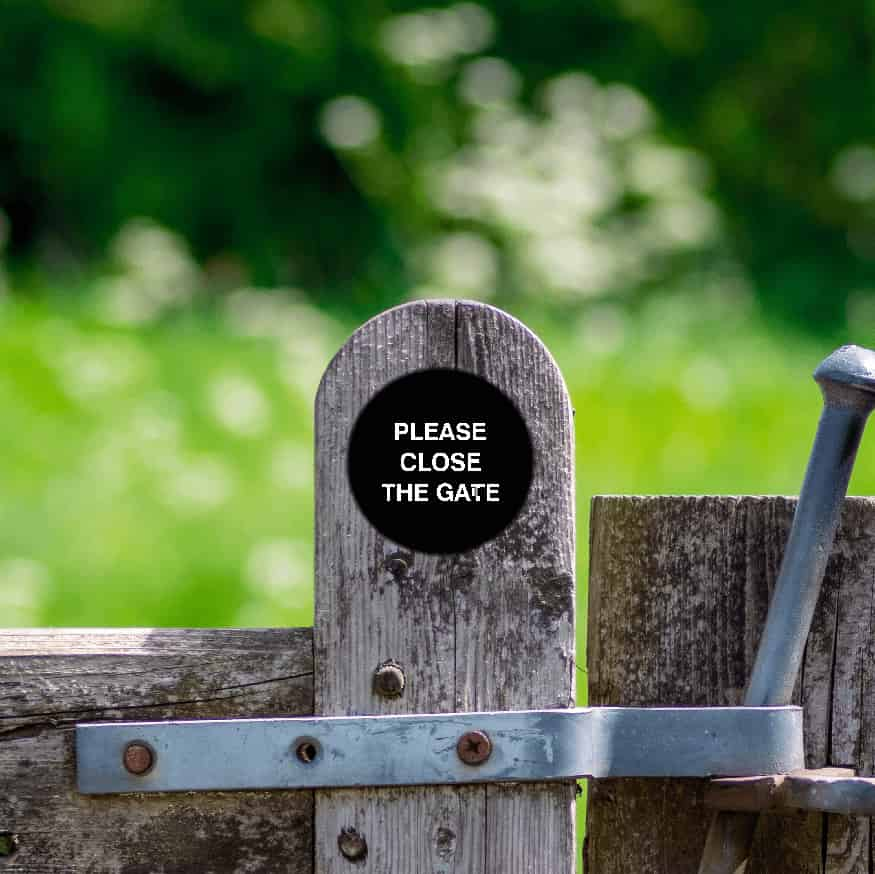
<point>441,462</point>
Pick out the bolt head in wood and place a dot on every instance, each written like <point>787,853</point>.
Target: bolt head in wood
<point>352,845</point>
<point>396,565</point>
<point>389,680</point>
<point>474,747</point>
<point>138,758</point>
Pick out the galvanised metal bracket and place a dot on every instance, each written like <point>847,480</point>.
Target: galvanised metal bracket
<point>532,745</point>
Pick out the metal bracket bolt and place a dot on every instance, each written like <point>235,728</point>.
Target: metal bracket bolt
<point>138,758</point>
<point>307,749</point>
<point>474,747</point>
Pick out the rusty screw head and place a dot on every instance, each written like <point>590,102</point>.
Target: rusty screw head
<point>352,845</point>
<point>389,680</point>
<point>474,747</point>
<point>138,758</point>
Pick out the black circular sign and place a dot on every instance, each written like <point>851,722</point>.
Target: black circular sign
<point>440,461</point>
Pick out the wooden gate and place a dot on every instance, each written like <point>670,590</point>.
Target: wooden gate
<point>678,592</point>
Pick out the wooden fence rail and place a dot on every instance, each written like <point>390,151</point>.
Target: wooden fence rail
<point>50,680</point>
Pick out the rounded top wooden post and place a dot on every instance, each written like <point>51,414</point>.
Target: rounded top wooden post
<point>490,628</point>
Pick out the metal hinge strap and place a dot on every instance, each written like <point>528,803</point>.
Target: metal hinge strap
<point>533,745</point>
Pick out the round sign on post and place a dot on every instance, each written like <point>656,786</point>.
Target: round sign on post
<point>440,461</point>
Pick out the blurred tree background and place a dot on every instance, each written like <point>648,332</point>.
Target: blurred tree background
<point>361,150</point>
<point>200,201</point>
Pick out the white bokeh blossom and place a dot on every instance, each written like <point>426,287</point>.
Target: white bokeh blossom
<point>580,198</point>
<point>239,404</point>
<point>156,273</point>
<point>434,36</point>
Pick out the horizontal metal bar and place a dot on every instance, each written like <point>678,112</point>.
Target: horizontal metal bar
<point>827,790</point>
<point>422,749</point>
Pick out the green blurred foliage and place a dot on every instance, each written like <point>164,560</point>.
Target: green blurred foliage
<point>162,474</point>
<point>307,142</point>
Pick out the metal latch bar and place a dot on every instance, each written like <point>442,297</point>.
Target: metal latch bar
<point>826,790</point>
<point>532,745</point>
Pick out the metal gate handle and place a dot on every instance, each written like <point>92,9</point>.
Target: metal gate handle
<point>847,380</point>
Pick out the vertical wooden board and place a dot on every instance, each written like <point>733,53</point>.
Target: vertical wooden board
<point>530,829</point>
<point>867,706</point>
<point>847,838</point>
<point>678,593</point>
<point>436,831</point>
<point>775,847</point>
<point>52,679</point>
<point>853,565</point>
<point>515,613</point>
<point>365,615</point>
<point>461,626</point>
<point>639,821</point>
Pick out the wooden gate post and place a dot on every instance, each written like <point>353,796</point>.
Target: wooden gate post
<point>679,588</point>
<point>492,628</point>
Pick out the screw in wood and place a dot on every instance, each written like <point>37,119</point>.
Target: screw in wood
<point>389,680</point>
<point>396,565</point>
<point>474,747</point>
<point>352,844</point>
<point>138,758</point>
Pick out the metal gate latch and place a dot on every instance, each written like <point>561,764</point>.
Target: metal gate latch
<point>530,745</point>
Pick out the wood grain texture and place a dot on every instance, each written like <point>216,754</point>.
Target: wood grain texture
<point>491,628</point>
<point>49,680</point>
<point>515,614</point>
<point>679,588</point>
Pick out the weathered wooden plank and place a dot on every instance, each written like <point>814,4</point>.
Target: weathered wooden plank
<point>49,680</point>
<point>679,588</point>
<point>847,838</point>
<point>515,613</point>
<point>460,626</point>
<point>376,602</point>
